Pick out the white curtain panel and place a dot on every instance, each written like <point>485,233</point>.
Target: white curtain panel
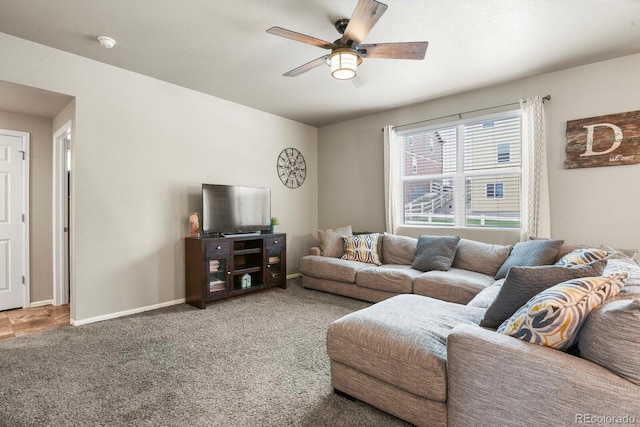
<point>390,185</point>
<point>535,215</point>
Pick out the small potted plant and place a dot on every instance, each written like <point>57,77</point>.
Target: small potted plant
<point>274,222</point>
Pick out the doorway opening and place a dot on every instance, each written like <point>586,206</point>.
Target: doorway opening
<point>61,203</point>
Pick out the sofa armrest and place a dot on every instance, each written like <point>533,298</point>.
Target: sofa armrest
<point>315,250</point>
<point>494,379</point>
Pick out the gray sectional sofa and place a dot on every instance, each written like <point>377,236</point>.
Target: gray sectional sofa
<point>421,354</point>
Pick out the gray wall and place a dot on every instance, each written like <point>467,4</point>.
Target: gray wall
<point>141,150</point>
<point>592,205</point>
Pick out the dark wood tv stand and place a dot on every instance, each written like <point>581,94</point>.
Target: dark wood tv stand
<point>221,267</point>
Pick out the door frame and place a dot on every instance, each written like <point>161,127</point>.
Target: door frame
<point>25,136</point>
<point>60,273</point>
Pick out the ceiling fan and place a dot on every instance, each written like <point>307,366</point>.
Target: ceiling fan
<point>347,52</point>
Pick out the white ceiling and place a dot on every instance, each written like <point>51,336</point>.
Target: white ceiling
<point>221,48</point>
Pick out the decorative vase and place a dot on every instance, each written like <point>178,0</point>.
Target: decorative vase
<point>194,224</point>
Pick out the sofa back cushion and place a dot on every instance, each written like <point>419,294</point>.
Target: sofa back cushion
<point>480,257</point>
<point>398,249</point>
<point>610,337</point>
<point>332,242</point>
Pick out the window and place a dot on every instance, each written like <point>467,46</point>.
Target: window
<point>504,152</point>
<point>463,174</point>
<point>495,191</point>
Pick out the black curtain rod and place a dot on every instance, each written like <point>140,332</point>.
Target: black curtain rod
<point>544,98</point>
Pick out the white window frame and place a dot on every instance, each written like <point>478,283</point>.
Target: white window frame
<point>459,176</point>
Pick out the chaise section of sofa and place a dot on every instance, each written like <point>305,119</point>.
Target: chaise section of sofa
<point>393,355</point>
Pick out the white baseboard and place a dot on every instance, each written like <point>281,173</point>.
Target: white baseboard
<point>125,313</point>
<point>135,310</point>
<point>41,303</point>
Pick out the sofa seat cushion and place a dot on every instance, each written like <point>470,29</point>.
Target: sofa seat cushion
<point>401,341</point>
<point>388,277</point>
<point>329,268</point>
<point>456,285</point>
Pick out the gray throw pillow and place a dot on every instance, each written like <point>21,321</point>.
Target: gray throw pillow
<point>523,283</point>
<point>435,252</point>
<point>530,254</point>
<point>610,338</point>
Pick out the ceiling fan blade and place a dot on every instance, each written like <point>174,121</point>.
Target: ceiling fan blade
<point>364,17</point>
<point>288,34</point>
<point>306,67</point>
<point>408,50</point>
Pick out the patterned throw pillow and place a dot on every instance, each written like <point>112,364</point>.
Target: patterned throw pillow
<point>362,247</point>
<point>582,256</point>
<point>554,316</point>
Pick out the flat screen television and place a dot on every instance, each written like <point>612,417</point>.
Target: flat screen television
<point>232,209</point>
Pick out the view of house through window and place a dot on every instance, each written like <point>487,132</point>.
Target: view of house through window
<point>465,174</point>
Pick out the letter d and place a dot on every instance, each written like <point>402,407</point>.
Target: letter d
<point>618,139</point>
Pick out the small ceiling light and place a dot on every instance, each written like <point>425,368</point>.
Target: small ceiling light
<point>107,42</point>
<point>344,62</point>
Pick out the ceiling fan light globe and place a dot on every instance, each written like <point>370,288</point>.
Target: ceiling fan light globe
<point>344,63</point>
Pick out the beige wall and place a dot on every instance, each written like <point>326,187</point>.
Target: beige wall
<point>594,205</point>
<point>40,225</point>
<point>141,150</point>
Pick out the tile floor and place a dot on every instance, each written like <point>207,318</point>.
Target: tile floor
<point>14,323</point>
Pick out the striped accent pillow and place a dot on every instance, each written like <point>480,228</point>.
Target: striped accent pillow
<point>362,247</point>
<point>554,316</point>
<point>582,256</point>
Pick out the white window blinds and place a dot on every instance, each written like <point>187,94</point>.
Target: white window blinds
<point>463,174</point>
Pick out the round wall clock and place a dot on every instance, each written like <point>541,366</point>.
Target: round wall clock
<point>292,169</point>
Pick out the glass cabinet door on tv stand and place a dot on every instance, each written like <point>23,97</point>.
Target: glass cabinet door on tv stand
<point>218,276</point>
<point>276,260</point>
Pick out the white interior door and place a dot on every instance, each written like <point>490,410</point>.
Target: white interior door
<point>13,219</point>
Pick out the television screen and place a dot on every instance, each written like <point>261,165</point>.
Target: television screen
<point>232,209</point>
